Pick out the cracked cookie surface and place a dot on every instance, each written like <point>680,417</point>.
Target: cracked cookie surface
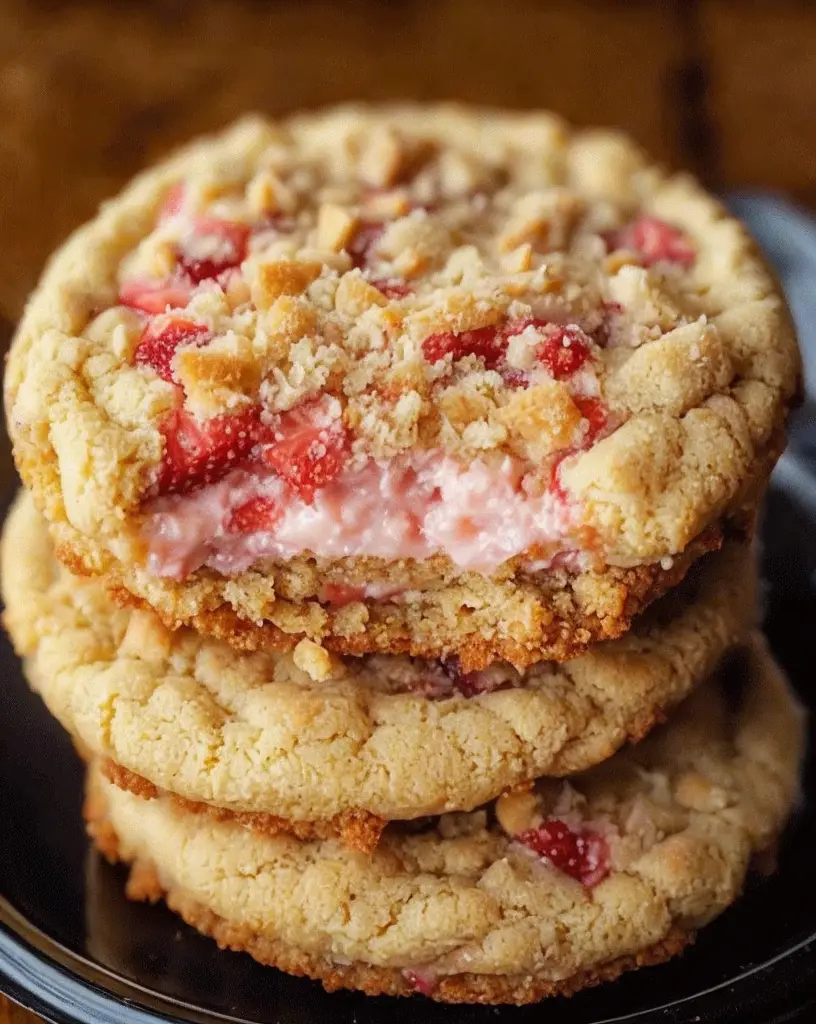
<point>543,892</point>
<point>367,374</point>
<point>315,740</point>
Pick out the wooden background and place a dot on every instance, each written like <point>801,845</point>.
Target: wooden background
<point>91,91</point>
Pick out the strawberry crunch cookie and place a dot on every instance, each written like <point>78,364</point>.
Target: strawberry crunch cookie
<point>544,892</point>
<point>420,380</point>
<point>315,744</point>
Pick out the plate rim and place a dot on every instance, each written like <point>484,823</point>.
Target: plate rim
<point>40,982</point>
<point>35,978</point>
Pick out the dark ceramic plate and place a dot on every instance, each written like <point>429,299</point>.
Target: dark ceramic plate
<point>74,950</point>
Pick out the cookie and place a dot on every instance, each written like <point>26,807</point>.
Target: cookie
<point>358,741</point>
<point>544,892</point>
<point>419,380</point>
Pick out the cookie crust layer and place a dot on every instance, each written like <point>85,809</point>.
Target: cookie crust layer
<point>255,733</point>
<point>682,815</point>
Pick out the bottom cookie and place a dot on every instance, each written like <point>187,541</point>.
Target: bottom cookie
<point>546,891</point>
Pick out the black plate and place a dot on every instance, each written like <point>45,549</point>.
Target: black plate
<point>74,950</point>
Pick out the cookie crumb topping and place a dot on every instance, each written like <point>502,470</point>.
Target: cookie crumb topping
<point>353,312</point>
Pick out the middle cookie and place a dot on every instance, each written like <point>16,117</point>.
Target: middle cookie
<point>312,744</point>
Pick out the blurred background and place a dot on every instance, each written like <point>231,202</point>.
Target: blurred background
<point>91,91</point>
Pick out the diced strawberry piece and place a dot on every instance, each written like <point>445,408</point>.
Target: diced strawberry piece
<point>256,514</point>
<point>155,296</point>
<point>340,593</point>
<point>215,246</point>
<point>597,416</point>
<point>173,201</point>
<point>555,486</point>
<point>581,854</point>
<point>308,453</point>
<point>419,981</point>
<point>366,236</point>
<point>159,342</point>
<point>656,242</point>
<point>564,352</point>
<point>488,343</point>
<point>392,287</point>
<point>202,453</point>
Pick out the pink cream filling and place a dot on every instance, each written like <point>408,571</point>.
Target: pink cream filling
<point>479,516</point>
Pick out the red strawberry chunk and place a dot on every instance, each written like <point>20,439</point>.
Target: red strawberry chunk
<point>308,453</point>
<point>582,854</point>
<point>597,416</point>
<point>564,352</point>
<point>159,342</point>
<point>392,287</point>
<point>366,236</point>
<point>256,514</point>
<point>419,981</point>
<point>215,246</point>
<point>202,453</point>
<point>340,593</point>
<point>155,296</point>
<point>656,242</point>
<point>488,343</point>
<point>555,486</point>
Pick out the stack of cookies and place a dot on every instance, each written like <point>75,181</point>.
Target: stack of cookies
<point>390,475</point>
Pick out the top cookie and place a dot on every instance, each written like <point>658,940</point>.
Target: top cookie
<point>366,354</point>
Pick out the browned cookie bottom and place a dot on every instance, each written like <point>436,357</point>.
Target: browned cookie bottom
<point>357,829</point>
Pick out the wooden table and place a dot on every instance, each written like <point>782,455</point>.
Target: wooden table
<point>90,91</point>
<point>11,1014</point>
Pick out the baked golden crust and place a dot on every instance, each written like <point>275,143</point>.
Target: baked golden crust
<point>695,376</point>
<point>464,910</point>
<point>144,884</point>
<point>341,745</point>
<point>358,830</point>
